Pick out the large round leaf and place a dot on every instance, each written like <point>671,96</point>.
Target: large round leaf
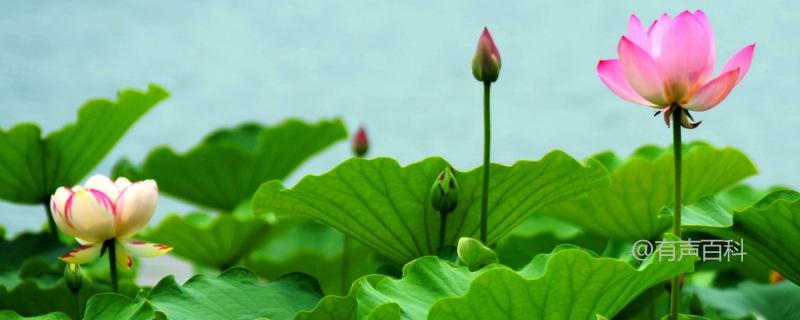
<point>541,234</point>
<point>32,167</point>
<point>228,166</point>
<point>235,294</point>
<point>118,307</point>
<point>569,283</point>
<point>387,206</point>
<point>641,186</point>
<point>750,300</point>
<point>315,249</point>
<point>767,229</point>
<point>31,298</point>
<point>11,315</point>
<point>218,242</point>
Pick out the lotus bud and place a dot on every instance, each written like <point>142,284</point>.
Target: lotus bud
<point>444,192</point>
<point>360,143</point>
<point>73,277</point>
<point>486,62</point>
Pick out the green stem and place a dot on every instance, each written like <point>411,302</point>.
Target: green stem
<point>442,229</point>
<point>675,289</point>
<point>77,298</point>
<point>50,221</point>
<point>112,264</point>
<point>486,148</point>
<point>346,248</point>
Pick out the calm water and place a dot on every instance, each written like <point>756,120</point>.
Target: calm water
<point>403,69</point>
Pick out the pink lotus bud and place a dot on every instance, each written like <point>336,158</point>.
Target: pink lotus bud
<point>360,142</point>
<point>672,62</point>
<point>486,62</point>
<point>102,210</point>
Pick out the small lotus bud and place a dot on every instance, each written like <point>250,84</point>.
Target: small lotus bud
<point>444,193</point>
<point>360,143</point>
<point>486,62</point>
<point>73,277</point>
<point>775,277</point>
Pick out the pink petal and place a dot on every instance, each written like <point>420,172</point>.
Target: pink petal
<point>135,207</point>
<point>146,249</point>
<point>740,60</point>
<point>709,71</point>
<point>104,185</point>
<point>486,39</point>
<point>656,34</point>
<point>642,72</point>
<point>124,257</point>
<point>684,55</point>
<point>610,72</point>
<point>637,34</point>
<point>82,254</point>
<point>58,203</point>
<point>712,93</point>
<point>91,214</point>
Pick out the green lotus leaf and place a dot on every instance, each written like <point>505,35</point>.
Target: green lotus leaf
<point>26,245</point>
<point>749,300</point>
<point>229,165</point>
<point>387,207</point>
<point>682,316</point>
<point>541,234</point>
<point>315,249</point>
<point>333,307</point>
<point>118,307</point>
<point>34,257</point>
<point>30,298</point>
<point>11,315</point>
<point>569,283</point>
<point>33,167</point>
<point>631,207</point>
<point>234,294</point>
<point>218,241</point>
<point>766,229</point>
<point>474,254</point>
<point>743,196</point>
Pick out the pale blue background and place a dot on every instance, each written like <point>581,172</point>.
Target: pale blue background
<point>400,67</point>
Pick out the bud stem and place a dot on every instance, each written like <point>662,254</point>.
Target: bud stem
<point>675,289</point>
<point>50,221</point>
<point>442,228</point>
<point>486,148</point>
<point>112,263</point>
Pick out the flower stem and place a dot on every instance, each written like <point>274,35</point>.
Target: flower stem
<point>112,263</point>
<point>50,221</point>
<point>486,148</point>
<point>345,271</point>
<point>675,289</point>
<point>442,229</point>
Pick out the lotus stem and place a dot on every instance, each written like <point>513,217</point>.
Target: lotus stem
<point>346,248</point>
<point>675,289</point>
<point>486,148</point>
<point>50,221</point>
<point>112,264</point>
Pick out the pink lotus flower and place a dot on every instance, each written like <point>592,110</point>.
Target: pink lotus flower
<point>672,62</point>
<point>103,210</point>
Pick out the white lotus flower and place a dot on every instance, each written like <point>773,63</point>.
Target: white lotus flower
<point>103,210</point>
